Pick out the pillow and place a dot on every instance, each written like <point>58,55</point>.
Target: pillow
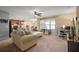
<point>21,33</point>
<point>27,32</point>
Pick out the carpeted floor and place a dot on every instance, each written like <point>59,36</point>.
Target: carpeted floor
<point>47,43</point>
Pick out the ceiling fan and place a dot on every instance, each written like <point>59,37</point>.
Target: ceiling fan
<point>36,13</point>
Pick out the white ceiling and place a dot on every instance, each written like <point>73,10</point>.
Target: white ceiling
<point>26,12</point>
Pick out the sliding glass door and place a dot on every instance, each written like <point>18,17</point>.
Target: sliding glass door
<point>47,24</point>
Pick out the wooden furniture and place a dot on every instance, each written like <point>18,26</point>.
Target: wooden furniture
<point>16,21</point>
<point>12,22</point>
<point>73,46</point>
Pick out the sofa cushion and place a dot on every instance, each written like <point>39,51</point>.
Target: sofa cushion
<point>27,38</point>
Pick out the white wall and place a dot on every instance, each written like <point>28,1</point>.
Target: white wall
<point>4,15</point>
<point>4,27</point>
<point>64,19</point>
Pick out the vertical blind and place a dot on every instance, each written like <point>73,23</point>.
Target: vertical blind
<point>47,24</point>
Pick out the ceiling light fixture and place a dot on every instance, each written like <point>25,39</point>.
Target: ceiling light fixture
<point>37,13</point>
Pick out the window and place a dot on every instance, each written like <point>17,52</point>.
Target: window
<point>47,24</point>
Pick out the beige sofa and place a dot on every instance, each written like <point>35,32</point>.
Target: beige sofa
<point>37,33</point>
<point>26,41</point>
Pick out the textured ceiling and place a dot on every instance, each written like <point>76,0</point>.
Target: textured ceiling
<point>26,12</point>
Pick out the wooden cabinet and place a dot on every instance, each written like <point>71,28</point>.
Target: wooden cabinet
<point>12,22</point>
<point>15,21</point>
<point>73,46</point>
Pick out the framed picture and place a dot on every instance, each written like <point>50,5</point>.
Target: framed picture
<point>3,21</point>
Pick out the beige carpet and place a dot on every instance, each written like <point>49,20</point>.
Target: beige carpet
<point>47,43</point>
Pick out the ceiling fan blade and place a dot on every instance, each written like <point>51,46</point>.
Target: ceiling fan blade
<point>37,13</point>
